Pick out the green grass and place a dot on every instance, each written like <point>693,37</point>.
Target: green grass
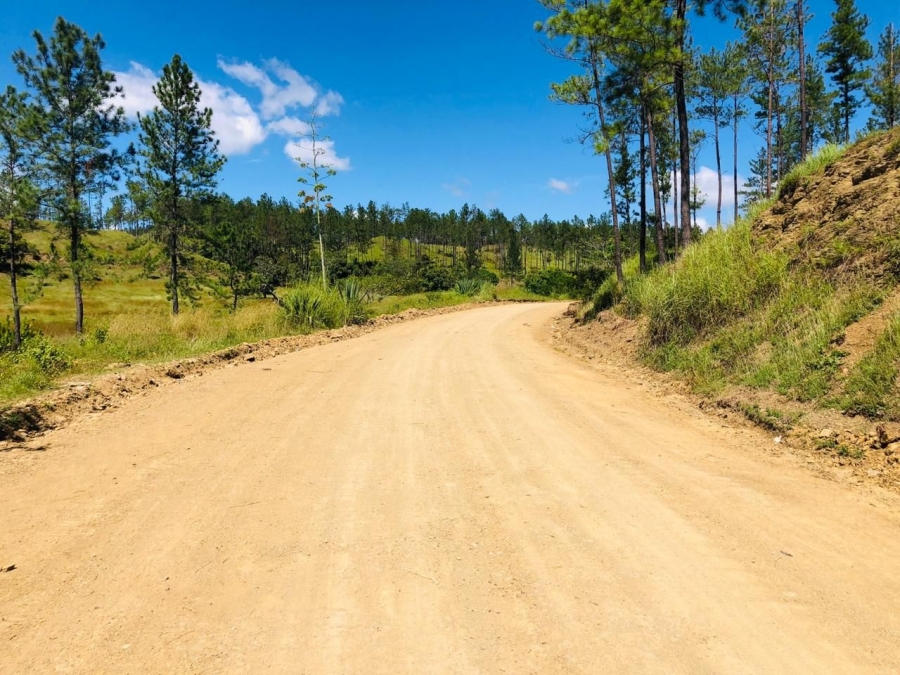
<point>730,311</point>
<point>116,282</point>
<point>871,387</point>
<point>146,337</point>
<point>722,278</point>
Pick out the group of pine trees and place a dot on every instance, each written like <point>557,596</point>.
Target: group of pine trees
<point>67,158</point>
<point>653,97</point>
<point>59,149</point>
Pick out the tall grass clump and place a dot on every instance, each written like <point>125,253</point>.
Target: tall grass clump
<point>610,293</point>
<point>311,307</point>
<point>721,278</point>
<point>814,164</point>
<point>871,387</point>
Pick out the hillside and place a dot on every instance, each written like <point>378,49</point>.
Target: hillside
<point>845,219</point>
<point>118,280</point>
<point>791,318</point>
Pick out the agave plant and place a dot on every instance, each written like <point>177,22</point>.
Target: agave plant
<point>468,286</point>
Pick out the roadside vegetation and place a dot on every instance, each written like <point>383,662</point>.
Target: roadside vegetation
<point>746,308</point>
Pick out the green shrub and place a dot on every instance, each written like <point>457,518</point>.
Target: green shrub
<point>436,278</point>
<point>8,333</point>
<point>49,357</point>
<point>487,277</point>
<point>589,280</point>
<point>551,283</point>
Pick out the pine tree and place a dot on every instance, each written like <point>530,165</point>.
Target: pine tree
<point>73,122</point>
<point>181,161</point>
<point>738,76</point>
<point>512,261</point>
<point>884,89</point>
<point>847,50</point>
<point>18,195</point>
<point>713,92</point>
<point>583,26</point>
<point>766,27</point>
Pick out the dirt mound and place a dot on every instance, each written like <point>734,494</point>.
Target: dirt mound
<point>846,219</point>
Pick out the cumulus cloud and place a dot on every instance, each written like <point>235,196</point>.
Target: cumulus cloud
<point>236,123</point>
<point>329,103</point>
<point>303,152</point>
<point>287,91</point>
<point>137,85</point>
<point>289,126</point>
<point>240,125</point>
<point>562,186</point>
<point>708,185</point>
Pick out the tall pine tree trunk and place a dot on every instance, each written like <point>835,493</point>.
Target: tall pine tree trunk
<point>643,160</point>
<point>718,166</point>
<point>770,80</point>
<point>173,264</point>
<point>801,48</point>
<point>75,243</point>
<point>675,200</point>
<point>14,287</point>
<point>684,142</point>
<point>657,204</point>
<point>607,146</point>
<point>735,121</point>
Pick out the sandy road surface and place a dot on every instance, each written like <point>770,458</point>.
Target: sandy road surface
<point>445,496</point>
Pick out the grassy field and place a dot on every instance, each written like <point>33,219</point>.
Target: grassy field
<point>116,283</point>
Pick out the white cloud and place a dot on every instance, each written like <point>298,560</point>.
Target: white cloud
<point>291,90</point>
<point>458,188</point>
<point>708,184</point>
<point>236,123</point>
<point>239,125</point>
<point>330,103</point>
<point>560,186</point>
<point>289,126</point>
<point>137,84</point>
<point>302,151</point>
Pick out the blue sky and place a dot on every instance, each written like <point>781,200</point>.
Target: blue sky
<point>434,104</point>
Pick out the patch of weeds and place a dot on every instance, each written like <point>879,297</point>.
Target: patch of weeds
<point>893,149</point>
<point>826,444</point>
<point>768,418</point>
<point>870,387</point>
<point>852,453</point>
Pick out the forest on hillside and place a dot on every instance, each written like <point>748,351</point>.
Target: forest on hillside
<point>653,96</point>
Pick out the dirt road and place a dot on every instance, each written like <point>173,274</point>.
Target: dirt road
<point>449,495</point>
